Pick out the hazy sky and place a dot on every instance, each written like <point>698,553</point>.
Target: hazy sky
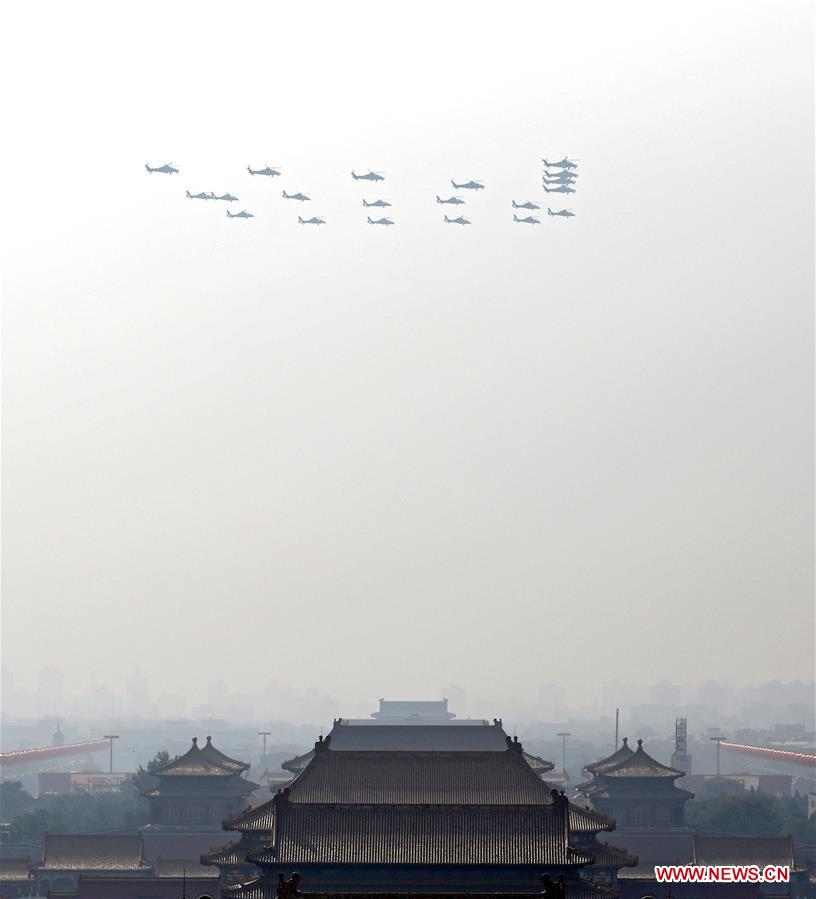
<point>378,461</point>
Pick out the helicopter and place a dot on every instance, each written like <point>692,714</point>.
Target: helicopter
<point>268,170</point>
<point>561,189</point>
<point>564,163</point>
<point>560,176</point>
<point>468,185</point>
<point>529,219</point>
<point>315,220</point>
<point>230,198</point>
<point>376,203</point>
<point>453,201</point>
<point>243,214</point>
<point>369,176</point>
<point>528,205</point>
<point>201,196</point>
<point>566,213</point>
<point>382,221</point>
<point>459,220</point>
<point>302,197</point>
<point>166,169</point>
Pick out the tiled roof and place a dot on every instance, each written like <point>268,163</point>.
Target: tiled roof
<point>258,818</point>
<point>211,754</point>
<point>500,778</point>
<point>760,851</point>
<point>620,755</point>
<point>538,765</point>
<point>585,820</point>
<point>195,763</point>
<point>478,737</point>
<point>182,867</point>
<point>639,764</point>
<point>607,856</point>
<point>93,852</point>
<point>420,834</point>
<point>15,868</point>
<point>233,854</point>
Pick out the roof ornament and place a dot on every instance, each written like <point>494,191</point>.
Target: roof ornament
<point>195,741</point>
<point>626,741</point>
<point>209,740</point>
<point>640,743</point>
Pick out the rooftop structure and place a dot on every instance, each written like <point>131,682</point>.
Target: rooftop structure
<point>198,790</point>
<point>636,790</point>
<point>404,820</point>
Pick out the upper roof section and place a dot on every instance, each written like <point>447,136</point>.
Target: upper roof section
<point>93,852</point>
<point>379,737</point>
<point>639,764</point>
<point>436,709</point>
<point>218,758</point>
<point>620,755</point>
<point>475,736</point>
<point>207,762</point>
<point>468,777</point>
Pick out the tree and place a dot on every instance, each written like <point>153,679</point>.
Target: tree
<point>31,827</point>
<point>143,780</point>
<point>14,800</point>
<point>751,814</point>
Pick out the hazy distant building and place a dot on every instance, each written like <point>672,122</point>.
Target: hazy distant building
<point>198,790</point>
<point>635,790</point>
<point>427,710</point>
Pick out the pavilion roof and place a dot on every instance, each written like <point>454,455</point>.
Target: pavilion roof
<point>620,755</point>
<point>639,764</point>
<point>211,754</point>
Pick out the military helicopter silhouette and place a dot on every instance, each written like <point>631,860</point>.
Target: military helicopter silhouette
<point>243,214</point>
<point>459,220</point>
<point>375,203</point>
<point>468,185</point>
<point>315,220</point>
<point>166,169</point>
<point>268,170</point>
<point>561,189</point>
<point>452,201</point>
<point>564,177</point>
<point>302,197</point>
<point>528,205</point>
<point>565,213</point>
<point>382,221</point>
<point>230,198</point>
<point>369,176</point>
<point>202,196</point>
<point>565,163</point>
<point>529,219</point>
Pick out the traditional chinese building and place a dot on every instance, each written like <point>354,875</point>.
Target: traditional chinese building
<point>198,790</point>
<point>419,735</point>
<point>455,812</point>
<point>636,790</point>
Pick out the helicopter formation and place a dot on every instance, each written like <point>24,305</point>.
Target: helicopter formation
<point>559,176</point>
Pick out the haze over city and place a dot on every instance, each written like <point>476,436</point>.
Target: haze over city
<point>374,464</point>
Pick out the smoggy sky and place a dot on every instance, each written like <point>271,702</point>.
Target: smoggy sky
<point>378,461</point>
